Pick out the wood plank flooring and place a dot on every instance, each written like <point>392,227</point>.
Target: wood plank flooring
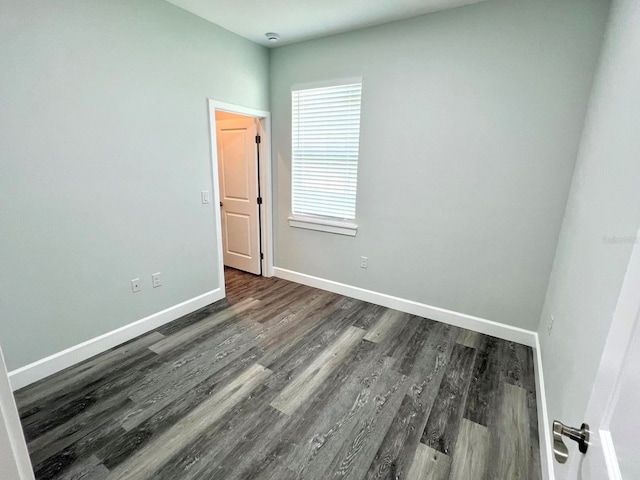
<point>283,381</point>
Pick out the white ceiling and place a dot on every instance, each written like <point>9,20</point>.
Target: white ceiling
<point>298,20</point>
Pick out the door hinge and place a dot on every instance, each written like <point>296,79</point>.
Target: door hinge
<point>258,139</point>
<point>259,200</point>
<point>261,256</point>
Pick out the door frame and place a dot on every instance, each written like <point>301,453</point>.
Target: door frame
<point>264,147</point>
<point>12,442</point>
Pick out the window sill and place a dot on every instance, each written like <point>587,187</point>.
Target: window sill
<point>322,225</point>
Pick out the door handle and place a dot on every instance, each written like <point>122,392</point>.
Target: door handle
<point>220,203</point>
<point>581,436</point>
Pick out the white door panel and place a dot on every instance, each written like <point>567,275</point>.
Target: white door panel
<point>613,411</point>
<point>238,233</point>
<point>625,419</point>
<point>237,171</point>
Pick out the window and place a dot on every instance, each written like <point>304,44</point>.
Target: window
<point>325,144</point>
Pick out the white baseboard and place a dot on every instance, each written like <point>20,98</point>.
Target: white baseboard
<point>40,369</point>
<point>477,324</point>
<point>544,432</point>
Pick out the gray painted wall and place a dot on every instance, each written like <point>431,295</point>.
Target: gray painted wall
<point>104,149</point>
<point>471,121</point>
<point>604,202</point>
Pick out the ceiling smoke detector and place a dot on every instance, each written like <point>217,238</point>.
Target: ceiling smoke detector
<point>272,37</point>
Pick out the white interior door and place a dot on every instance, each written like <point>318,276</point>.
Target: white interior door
<point>613,412</point>
<point>237,173</point>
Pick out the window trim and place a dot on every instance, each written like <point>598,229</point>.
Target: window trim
<point>346,227</point>
<point>326,83</point>
<point>321,224</point>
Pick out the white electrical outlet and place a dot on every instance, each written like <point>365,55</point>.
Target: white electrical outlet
<point>364,262</point>
<point>155,280</point>
<point>550,323</point>
<point>135,285</point>
<point>205,196</point>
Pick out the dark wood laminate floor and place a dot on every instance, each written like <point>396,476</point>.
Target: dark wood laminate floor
<point>283,381</point>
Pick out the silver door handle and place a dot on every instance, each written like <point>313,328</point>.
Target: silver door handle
<point>581,436</point>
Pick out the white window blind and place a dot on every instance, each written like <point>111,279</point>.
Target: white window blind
<point>326,135</point>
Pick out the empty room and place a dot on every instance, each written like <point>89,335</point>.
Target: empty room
<point>312,240</point>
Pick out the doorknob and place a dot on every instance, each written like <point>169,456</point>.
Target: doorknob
<point>581,436</point>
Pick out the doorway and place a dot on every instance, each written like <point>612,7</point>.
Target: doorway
<point>241,176</point>
<point>237,143</point>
